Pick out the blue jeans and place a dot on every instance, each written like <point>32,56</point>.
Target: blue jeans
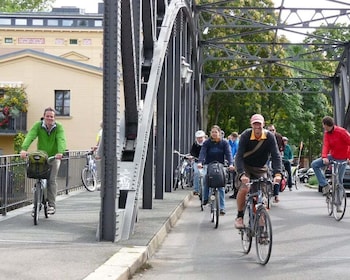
<point>195,177</point>
<point>206,190</point>
<point>318,166</point>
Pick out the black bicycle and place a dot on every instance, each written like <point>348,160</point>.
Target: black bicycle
<point>39,169</point>
<point>257,221</point>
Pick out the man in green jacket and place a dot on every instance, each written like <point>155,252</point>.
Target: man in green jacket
<point>52,140</point>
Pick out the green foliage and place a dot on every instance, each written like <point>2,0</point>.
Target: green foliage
<point>313,181</point>
<point>25,5</point>
<point>14,98</point>
<point>18,141</point>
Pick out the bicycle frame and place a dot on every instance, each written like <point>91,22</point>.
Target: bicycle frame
<point>40,198</point>
<point>89,173</point>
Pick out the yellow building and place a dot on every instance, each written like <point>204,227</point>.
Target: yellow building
<point>57,58</point>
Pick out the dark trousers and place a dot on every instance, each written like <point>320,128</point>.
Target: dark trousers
<point>288,168</point>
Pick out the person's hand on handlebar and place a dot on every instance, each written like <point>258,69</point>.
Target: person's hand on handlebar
<point>58,156</point>
<point>277,178</point>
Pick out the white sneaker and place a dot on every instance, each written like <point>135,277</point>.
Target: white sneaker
<point>51,210</point>
<point>326,189</point>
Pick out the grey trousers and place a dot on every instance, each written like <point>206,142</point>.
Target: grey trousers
<point>52,183</point>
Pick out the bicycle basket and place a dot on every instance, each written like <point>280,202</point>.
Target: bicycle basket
<point>37,166</point>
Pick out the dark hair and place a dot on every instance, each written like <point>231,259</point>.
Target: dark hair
<point>328,121</point>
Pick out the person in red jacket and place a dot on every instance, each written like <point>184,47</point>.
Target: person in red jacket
<point>336,146</point>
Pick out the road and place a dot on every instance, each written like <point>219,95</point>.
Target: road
<point>307,244</point>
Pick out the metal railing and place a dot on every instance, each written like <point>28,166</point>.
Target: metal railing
<point>16,188</point>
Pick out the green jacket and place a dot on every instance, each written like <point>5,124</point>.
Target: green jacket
<point>53,142</point>
<point>288,153</point>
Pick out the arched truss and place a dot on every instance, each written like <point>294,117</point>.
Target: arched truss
<point>255,49</point>
<point>158,104</point>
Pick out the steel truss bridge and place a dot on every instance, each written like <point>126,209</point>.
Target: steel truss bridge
<point>156,82</point>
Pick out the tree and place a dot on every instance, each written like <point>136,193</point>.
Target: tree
<point>25,5</point>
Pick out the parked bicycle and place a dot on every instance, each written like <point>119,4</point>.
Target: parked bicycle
<point>183,174</point>
<point>257,221</point>
<point>336,198</point>
<point>89,172</point>
<point>39,167</point>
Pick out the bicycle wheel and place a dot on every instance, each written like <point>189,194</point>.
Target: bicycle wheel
<point>339,203</point>
<point>89,180</point>
<point>246,234</point>
<point>37,202</point>
<point>214,202</point>
<point>263,235</point>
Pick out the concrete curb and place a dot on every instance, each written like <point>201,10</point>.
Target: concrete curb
<point>123,264</point>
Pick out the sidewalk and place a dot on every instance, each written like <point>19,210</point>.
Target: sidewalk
<point>65,246</point>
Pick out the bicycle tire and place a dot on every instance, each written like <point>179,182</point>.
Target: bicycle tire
<point>45,202</point>
<point>246,234</point>
<point>201,192</point>
<point>329,201</point>
<point>214,208</point>
<point>37,198</point>
<point>89,179</point>
<point>338,215</point>
<point>263,235</point>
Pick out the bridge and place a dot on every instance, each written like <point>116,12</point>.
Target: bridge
<point>157,84</point>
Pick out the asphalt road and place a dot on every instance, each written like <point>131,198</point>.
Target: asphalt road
<point>307,244</point>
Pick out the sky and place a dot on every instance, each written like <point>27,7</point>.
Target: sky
<point>90,6</point>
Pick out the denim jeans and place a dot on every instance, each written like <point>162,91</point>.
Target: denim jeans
<point>195,177</point>
<point>206,190</point>
<point>318,166</point>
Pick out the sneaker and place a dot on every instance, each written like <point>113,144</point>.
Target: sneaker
<point>33,211</point>
<point>205,202</point>
<point>233,196</point>
<point>290,189</point>
<point>222,212</point>
<point>195,193</point>
<point>276,200</point>
<point>51,210</point>
<point>263,238</point>
<point>239,223</point>
<point>326,189</point>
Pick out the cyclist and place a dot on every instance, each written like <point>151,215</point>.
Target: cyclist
<point>195,150</point>
<point>52,140</point>
<point>336,146</point>
<point>255,146</point>
<point>215,149</point>
<point>233,140</point>
<point>287,159</point>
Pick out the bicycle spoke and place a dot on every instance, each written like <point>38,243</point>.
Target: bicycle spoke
<point>339,203</point>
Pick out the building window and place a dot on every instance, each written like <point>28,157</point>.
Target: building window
<point>73,41</point>
<point>67,22</point>
<point>62,102</point>
<point>98,23</point>
<point>5,21</point>
<point>82,22</point>
<point>8,40</point>
<point>52,22</point>
<point>21,21</point>
<point>38,22</point>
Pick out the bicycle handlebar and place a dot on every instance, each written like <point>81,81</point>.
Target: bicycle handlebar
<point>188,156</point>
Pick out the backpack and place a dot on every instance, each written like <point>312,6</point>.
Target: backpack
<point>215,175</point>
<point>37,165</point>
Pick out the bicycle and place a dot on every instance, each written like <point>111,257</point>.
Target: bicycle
<point>183,174</point>
<point>257,221</point>
<point>89,173</point>
<point>214,206</point>
<point>41,172</point>
<point>201,188</point>
<point>336,197</point>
